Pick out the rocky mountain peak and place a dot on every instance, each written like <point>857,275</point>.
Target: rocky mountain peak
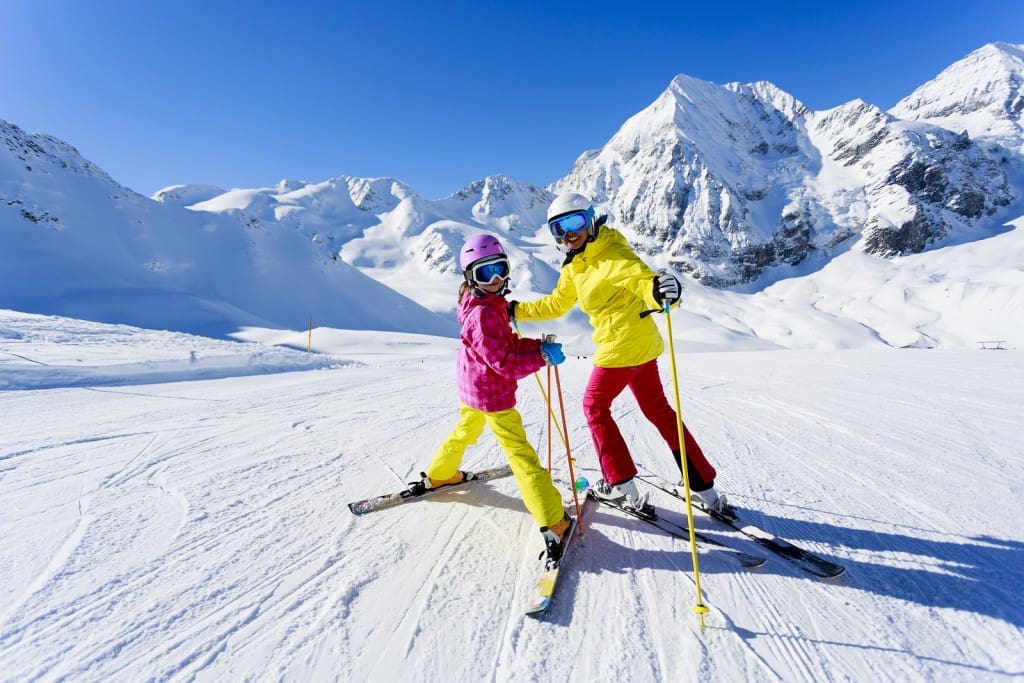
<point>982,94</point>
<point>45,154</point>
<point>727,181</point>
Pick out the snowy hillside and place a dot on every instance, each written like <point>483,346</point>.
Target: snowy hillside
<point>385,229</point>
<point>77,243</point>
<point>163,524</point>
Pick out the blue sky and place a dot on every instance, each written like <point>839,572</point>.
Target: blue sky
<point>244,94</point>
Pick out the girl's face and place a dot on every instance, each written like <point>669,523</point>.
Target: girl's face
<point>494,286</point>
<point>489,274</point>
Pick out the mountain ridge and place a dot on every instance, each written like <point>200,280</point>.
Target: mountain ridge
<point>740,186</point>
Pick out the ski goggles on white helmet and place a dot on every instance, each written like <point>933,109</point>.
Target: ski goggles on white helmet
<point>485,270</point>
<point>577,221</point>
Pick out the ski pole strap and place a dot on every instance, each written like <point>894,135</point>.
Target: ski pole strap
<point>664,310</point>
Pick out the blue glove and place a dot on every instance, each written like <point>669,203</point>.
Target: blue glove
<point>551,351</point>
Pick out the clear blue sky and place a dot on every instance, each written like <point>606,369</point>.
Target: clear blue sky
<point>244,94</point>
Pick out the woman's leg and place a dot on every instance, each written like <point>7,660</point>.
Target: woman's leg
<point>650,396</point>
<point>612,453</point>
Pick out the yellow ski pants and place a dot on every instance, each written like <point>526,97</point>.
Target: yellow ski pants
<point>539,495</point>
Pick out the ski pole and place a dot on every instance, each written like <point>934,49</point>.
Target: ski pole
<point>563,429</point>
<point>700,608</point>
<point>544,395</point>
<point>568,454</point>
<point>547,399</point>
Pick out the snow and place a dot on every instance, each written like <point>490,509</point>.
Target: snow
<point>170,513</point>
<point>173,499</point>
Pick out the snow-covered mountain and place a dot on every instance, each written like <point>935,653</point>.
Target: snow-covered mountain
<point>913,185</point>
<point>702,175</point>
<point>982,94</point>
<point>383,227</point>
<point>731,180</point>
<point>740,186</point>
<point>77,243</point>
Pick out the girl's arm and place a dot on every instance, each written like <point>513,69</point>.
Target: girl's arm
<point>488,334</point>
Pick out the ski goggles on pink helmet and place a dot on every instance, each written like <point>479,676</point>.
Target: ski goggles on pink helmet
<point>577,221</point>
<point>484,271</point>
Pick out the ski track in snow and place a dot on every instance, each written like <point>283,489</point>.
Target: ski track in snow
<point>199,530</point>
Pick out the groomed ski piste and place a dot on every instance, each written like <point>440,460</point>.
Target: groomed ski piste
<point>174,507</point>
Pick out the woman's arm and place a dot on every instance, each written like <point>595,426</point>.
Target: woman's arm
<point>554,305</point>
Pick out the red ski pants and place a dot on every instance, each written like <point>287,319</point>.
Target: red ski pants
<point>644,381</point>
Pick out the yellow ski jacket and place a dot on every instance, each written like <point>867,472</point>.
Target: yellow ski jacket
<point>613,287</point>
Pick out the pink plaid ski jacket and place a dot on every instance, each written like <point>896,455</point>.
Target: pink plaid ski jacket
<point>491,359</point>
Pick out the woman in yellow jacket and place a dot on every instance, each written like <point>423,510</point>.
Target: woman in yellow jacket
<point>609,282</point>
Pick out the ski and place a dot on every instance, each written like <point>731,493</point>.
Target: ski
<point>362,507</point>
<point>544,588</point>
<point>745,559</point>
<point>804,559</point>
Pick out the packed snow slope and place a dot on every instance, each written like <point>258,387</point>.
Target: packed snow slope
<point>175,507</point>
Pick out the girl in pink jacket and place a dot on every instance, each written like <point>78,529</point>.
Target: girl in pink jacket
<point>491,361</point>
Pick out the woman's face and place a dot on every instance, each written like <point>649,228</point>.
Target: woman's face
<point>575,240</point>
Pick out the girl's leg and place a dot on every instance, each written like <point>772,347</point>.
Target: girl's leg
<point>650,396</point>
<point>539,495</point>
<point>449,454</point>
<point>612,453</point>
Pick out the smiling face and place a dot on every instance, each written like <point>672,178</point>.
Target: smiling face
<point>575,240</point>
<point>490,274</point>
<point>572,229</point>
<point>493,287</point>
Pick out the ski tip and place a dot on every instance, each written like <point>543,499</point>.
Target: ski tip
<point>753,561</point>
<point>832,572</point>
<point>538,608</point>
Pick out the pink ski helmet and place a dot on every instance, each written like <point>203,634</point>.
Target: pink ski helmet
<point>479,247</point>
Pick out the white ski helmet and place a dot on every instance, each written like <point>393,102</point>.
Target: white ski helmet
<point>573,202</point>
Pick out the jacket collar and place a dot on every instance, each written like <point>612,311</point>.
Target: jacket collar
<point>605,236</point>
<point>599,223</point>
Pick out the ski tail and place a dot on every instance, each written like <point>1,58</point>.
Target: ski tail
<point>388,500</point>
<point>547,581</point>
<point>802,558</point>
<point>704,542</point>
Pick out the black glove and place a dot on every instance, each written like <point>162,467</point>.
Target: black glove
<point>667,289</point>
<point>510,307</point>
